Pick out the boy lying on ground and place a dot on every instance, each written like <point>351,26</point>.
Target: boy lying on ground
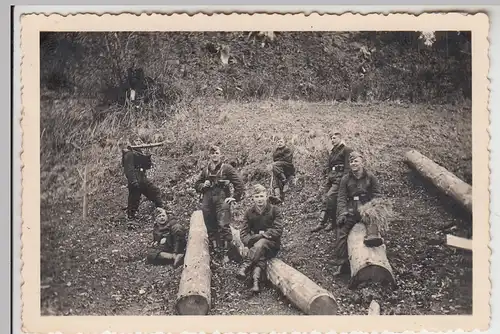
<point>169,241</point>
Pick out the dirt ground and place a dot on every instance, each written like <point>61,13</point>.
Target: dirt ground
<point>97,267</point>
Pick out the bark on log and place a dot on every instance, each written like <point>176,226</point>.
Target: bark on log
<point>367,263</point>
<point>300,290</point>
<point>443,179</point>
<point>194,288</point>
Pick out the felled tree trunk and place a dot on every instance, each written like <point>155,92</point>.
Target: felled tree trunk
<point>194,288</point>
<point>444,180</point>
<point>298,288</point>
<point>367,263</point>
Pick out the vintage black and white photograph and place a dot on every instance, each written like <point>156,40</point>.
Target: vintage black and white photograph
<point>265,172</point>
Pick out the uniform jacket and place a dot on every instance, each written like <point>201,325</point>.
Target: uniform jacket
<point>365,189</point>
<point>269,221</point>
<point>175,235</point>
<point>135,163</point>
<point>339,155</point>
<point>283,154</point>
<point>221,172</point>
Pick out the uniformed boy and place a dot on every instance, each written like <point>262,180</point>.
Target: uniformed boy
<point>169,240</point>
<point>336,167</point>
<point>213,183</point>
<point>282,166</point>
<point>356,188</point>
<point>135,164</point>
<point>261,233</point>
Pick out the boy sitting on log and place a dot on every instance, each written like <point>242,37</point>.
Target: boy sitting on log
<point>282,167</point>
<point>169,240</point>
<point>357,188</point>
<point>261,233</point>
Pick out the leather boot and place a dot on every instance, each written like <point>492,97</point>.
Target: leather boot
<point>245,267</point>
<point>331,226</point>
<point>372,237</point>
<point>256,279</point>
<point>322,222</point>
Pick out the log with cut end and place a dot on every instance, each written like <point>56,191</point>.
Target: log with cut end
<point>443,179</point>
<point>194,288</point>
<point>300,290</point>
<point>367,263</point>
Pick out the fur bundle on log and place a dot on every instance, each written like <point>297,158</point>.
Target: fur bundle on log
<point>378,211</point>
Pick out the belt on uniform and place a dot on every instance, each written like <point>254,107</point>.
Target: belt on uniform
<point>358,198</point>
<point>338,168</point>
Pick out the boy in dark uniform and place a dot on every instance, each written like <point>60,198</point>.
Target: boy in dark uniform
<point>282,166</point>
<point>135,164</point>
<point>356,188</point>
<point>169,241</point>
<point>261,233</point>
<point>336,167</point>
<point>213,183</point>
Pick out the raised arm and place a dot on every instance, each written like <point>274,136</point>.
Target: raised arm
<point>233,176</point>
<point>198,185</point>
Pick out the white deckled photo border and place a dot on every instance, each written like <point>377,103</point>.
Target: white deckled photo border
<point>32,24</point>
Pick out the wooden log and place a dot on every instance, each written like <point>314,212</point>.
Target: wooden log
<point>149,145</point>
<point>458,242</point>
<point>194,287</point>
<point>443,179</point>
<point>300,290</point>
<point>367,263</point>
<point>374,308</point>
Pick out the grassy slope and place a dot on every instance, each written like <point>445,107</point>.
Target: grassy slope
<point>97,267</point>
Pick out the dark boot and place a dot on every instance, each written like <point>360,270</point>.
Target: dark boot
<point>256,279</point>
<point>339,267</point>
<point>322,222</point>
<point>331,226</point>
<point>245,267</point>
<point>373,238</point>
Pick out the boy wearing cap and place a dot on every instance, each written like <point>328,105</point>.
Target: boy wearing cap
<point>282,166</point>
<point>357,187</point>
<point>336,167</point>
<point>213,183</point>
<point>135,164</point>
<point>261,233</point>
<point>169,240</point>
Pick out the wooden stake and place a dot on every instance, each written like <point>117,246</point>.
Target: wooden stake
<point>85,203</point>
<point>458,242</point>
<point>374,308</point>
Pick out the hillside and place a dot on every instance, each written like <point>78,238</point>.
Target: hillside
<point>302,86</point>
<point>101,258</point>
